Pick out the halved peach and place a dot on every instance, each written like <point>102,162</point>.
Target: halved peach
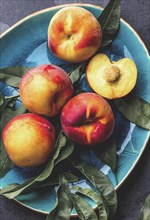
<point>111,79</point>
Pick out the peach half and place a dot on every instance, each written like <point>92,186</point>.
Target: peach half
<point>45,89</point>
<point>111,79</point>
<point>87,119</point>
<point>74,34</point>
<point>29,140</point>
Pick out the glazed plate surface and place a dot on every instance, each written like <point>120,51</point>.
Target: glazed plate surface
<point>25,44</point>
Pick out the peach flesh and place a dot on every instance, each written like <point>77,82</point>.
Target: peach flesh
<point>111,79</point>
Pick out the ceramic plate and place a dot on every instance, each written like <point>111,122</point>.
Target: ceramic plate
<point>26,44</point>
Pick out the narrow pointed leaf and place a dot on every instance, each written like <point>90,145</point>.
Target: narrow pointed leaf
<point>10,80</point>
<point>107,152</point>
<point>83,209</point>
<point>9,113</point>
<point>10,189</point>
<point>145,210</point>
<point>6,101</point>
<point>54,180</point>
<point>99,180</point>
<point>18,71</point>
<point>63,206</point>
<point>135,109</point>
<point>77,72</point>
<point>6,164</point>
<point>65,152</point>
<point>110,21</point>
<point>96,198</point>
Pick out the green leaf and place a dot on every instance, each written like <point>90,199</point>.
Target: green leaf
<point>83,209</point>
<point>5,162</point>
<point>65,152</point>
<point>77,72</point>
<point>107,152</point>
<point>12,75</point>
<point>135,109</point>
<point>15,70</point>
<point>8,191</point>
<point>96,198</point>
<point>60,143</point>
<point>99,180</point>
<point>10,79</point>
<point>110,21</point>
<point>54,179</point>
<point>145,210</point>
<point>8,113</point>
<point>2,100</point>
<point>6,101</point>
<point>63,206</point>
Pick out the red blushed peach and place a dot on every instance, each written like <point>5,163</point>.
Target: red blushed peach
<point>74,34</point>
<point>29,139</point>
<point>87,119</point>
<point>45,89</point>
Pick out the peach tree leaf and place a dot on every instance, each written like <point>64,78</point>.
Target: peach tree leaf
<point>107,152</point>
<point>65,152</point>
<point>77,72</point>
<point>110,21</point>
<point>6,164</point>
<point>6,101</point>
<point>99,180</point>
<point>83,208</point>
<point>12,75</point>
<point>10,80</point>
<point>63,206</point>
<point>135,109</point>
<point>102,212</point>
<point>54,179</point>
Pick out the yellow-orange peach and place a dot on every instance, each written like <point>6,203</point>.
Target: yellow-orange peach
<point>87,119</point>
<point>111,79</point>
<point>29,139</point>
<point>74,34</point>
<point>45,89</point>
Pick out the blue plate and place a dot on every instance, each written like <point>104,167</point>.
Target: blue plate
<point>26,44</point>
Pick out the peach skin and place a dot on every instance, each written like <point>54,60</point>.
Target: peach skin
<point>45,89</point>
<point>111,79</point>
<point>29,140</point>
<point>74,34</point>
<point>87,119</point>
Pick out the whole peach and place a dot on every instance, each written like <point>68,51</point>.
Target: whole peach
<point>87,119</point>
<point>29,139</point>
<point>45,89</point>
<point>74,34</point>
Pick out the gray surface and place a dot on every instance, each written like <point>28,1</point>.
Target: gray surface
<point>134,190</point>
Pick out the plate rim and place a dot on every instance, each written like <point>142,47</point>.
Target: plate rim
<point>21,21</point>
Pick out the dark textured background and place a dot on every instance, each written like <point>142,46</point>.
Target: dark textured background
<point>134,190</point>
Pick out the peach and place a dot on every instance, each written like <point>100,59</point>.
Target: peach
<point>87,119</point>
<point>74,34</point>
<point>29,139</point>
<point>111,79</point>
<point>45,89</point>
